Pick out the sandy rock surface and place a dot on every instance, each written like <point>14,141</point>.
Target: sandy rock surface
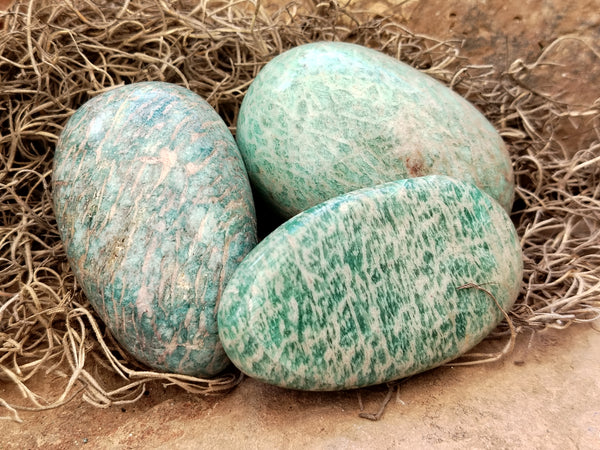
<point>546,395</point>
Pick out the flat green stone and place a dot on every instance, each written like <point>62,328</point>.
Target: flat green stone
<point>155,210</point>
<point>326,118</point>
<point>364,288</point>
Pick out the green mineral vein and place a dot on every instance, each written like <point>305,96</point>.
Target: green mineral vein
<point>154,207</point>
<point>363,289</point>
<point>326,118</point>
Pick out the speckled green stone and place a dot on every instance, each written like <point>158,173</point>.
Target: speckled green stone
<point>326,118</point>
<point>155,210</point>
<point>364,288</point>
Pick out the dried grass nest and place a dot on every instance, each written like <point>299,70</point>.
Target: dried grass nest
<point>55,54</point>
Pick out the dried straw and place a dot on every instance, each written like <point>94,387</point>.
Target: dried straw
<point>54,55</point>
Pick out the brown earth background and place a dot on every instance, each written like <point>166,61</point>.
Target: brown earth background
<point>545,395</point>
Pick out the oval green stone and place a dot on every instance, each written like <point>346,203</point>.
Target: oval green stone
<point>327,118</point>
<point>155,210</point>
<point>364,288</point>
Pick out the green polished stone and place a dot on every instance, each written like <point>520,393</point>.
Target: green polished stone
<point>364,288</point>
<point>326,118</point>
<point>155,210</point>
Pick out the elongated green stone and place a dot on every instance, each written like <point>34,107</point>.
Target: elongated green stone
<point>155,210</point>
<point>326,118</point>
<point>364,288</point>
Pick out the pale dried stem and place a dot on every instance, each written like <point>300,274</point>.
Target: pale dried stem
<point>54,55</point>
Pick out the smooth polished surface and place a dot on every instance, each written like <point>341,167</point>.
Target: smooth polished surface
<point>365,288</point>
<point>326,118</point>
<point>154,207</point>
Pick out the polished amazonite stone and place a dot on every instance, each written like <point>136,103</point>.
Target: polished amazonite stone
<point>326,118</point>
<point>155,210</point>
<point>365,288</point>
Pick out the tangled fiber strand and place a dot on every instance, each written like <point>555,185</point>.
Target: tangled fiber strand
<point>55,55</point>
<point>558,207</point>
